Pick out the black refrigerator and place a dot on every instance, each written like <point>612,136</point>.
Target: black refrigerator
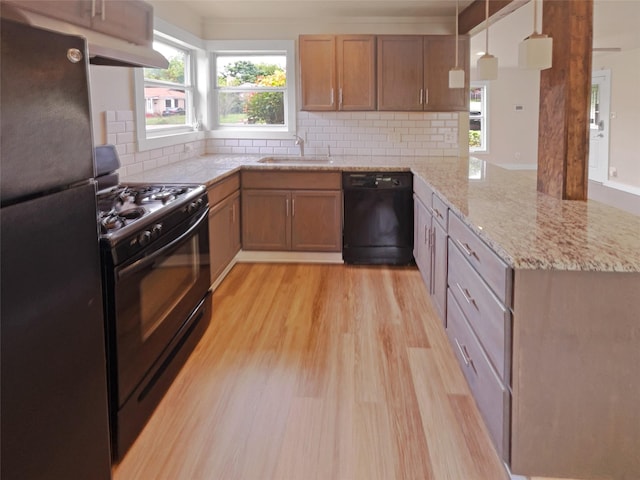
<point>53,399</point>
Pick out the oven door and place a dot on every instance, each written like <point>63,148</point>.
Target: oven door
<point>154,296</point>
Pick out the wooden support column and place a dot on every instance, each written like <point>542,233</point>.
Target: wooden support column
<point>563,130</point>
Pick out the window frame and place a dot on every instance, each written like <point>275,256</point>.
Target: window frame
<point>217,48</point>
<point>165,137</point>
<point>483,117</point>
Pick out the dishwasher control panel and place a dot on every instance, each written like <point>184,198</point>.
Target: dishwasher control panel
<point>377,180</point>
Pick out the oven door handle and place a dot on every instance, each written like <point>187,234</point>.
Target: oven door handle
<point>145,261</point>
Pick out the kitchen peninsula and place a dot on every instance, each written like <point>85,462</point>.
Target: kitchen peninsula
<point>568,389</point>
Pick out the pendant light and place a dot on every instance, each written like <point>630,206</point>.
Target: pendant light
<point>456,74</point>
<point>487,63</point>
<point>536,51</point>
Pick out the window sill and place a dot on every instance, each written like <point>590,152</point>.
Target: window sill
<point>276,134</point>
<point>168,140</point>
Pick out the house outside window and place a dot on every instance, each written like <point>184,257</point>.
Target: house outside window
<point>253,89</point>
<point>168,93</point>
<point>478,117</point>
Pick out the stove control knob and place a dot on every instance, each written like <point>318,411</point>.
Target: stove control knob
<point>144,238</point>
<point>192,207</point>
<point>156,230</point>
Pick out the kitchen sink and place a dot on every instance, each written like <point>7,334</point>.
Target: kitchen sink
<point>296,159</point>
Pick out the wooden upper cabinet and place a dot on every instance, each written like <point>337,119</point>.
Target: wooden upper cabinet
<point>400,72</point>
<point>413,73</point>
<point>130,20</point>
<point>318,72</point>
<point>337,72</point>
<point>356,72</point>
<point>439,58</point>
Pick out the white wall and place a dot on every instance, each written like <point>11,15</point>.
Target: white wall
<point>513,135</point>
<point>111,89</point>
<point>624,154</point>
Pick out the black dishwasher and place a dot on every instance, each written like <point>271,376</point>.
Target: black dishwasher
<point>378,218</point>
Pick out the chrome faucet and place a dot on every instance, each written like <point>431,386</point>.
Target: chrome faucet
<point>300,143</point>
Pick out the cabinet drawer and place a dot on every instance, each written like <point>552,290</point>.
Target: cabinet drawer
<point>487,316</point>
<point>292,180</point>
<point>491,268</point>
<point>492,398</point>
<point>222,189</point>
<point>440,211</point>
<point>423,191</point>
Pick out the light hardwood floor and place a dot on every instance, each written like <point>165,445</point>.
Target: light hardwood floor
<point>317,372</point>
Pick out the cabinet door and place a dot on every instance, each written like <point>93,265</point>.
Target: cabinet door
<point>439,58</point>
<point>439,290</point>
<point>316,221</point>
<point>234,235</point>
<point>265,220</point>
<point>356,64</point>
<point>400,72</point>
<point>422,242</point>
<point>76,12</point>
<point>318,72</point>
<point>130,20</point>
<point>224,234</point>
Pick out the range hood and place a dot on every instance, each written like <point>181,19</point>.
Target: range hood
<point>103,49</point>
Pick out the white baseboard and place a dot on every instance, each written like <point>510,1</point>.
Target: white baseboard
<point>622,186</point>
<point>289,257</point>
<point>224,273</point>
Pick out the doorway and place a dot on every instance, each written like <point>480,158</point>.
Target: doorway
<point>599,126</point>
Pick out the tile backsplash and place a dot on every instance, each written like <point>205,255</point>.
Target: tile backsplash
<point>343,133</point>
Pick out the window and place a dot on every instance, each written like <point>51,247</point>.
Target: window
<point>477,118</point>
<point>253,89</point>
<point>168,94</point>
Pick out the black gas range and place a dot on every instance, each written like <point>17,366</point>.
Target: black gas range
<point>154,242</point>
<point>133,216</point>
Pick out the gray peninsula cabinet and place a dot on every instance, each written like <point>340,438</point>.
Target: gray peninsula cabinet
<point>550,355</point>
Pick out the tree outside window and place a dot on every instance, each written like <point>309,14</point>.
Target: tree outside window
<point>251,90</point>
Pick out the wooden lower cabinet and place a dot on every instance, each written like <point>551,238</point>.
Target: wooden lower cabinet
<point>224,233</point>
<point>224,224</point>
<point>316,220</point>
<point>265,220</point>
<point>275,218</point>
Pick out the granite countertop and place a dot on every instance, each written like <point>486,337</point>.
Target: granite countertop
<point>528,229</point>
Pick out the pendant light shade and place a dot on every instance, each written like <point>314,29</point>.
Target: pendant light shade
<point>536,51</point>
<point>456,74</point>
<point>487,67</point>
<point>487,64</point>
<point>456,78</point>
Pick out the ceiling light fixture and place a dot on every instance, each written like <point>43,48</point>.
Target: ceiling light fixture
<point>536,51</point>
<point>487,64</point>
<point>456,74</point>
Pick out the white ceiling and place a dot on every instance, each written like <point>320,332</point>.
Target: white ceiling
<point>615,21</point>
<point>221,9</point>
<point>615,24</point>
